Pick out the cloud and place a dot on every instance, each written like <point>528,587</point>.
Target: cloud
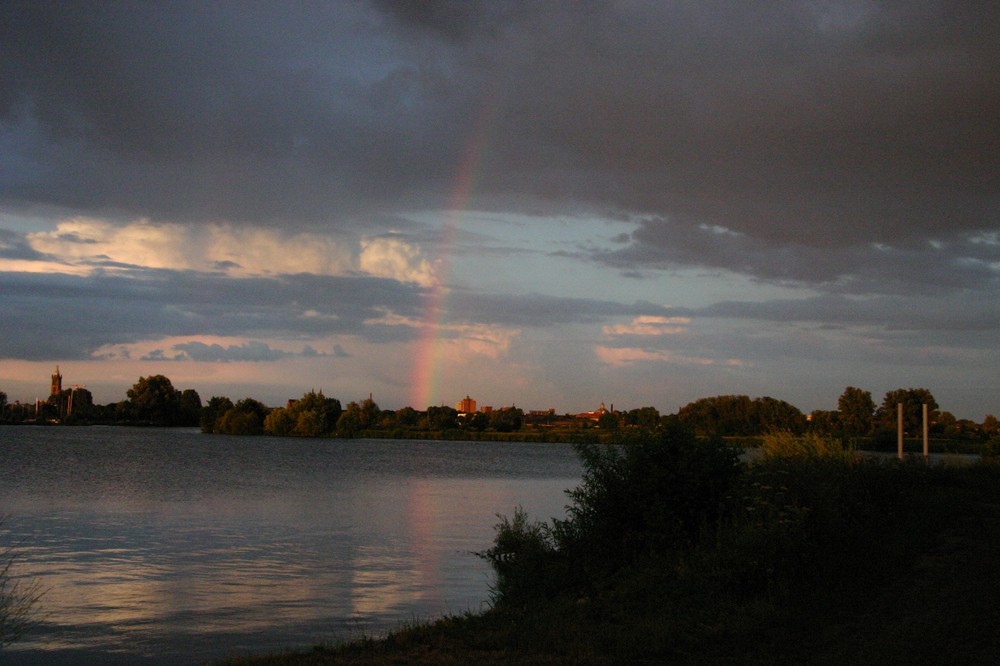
<point>625,356</point>
<point>246,251</point>
<point>648,325</point>
<point>395,259</point>
<point>207,351</point>
<point>819,124</point>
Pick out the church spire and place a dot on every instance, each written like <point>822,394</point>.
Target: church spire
<point>56,383</point>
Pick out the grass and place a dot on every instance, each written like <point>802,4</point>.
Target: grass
<point>815,557</point>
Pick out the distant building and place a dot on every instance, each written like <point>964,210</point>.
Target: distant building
<point>595,415</point>
<point>467,405</point>
<point>56,383</point>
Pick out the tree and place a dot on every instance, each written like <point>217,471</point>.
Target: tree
<point>643,417</point>
<point>358,416</point>
<point>856,411</point>
<point>154,400</point>
<point>213,411</point>
<point>738,415</point>
<point>913,400</point>
<point>245,418</point>
<point>824,421</point>
<point>507,419</point>
<point>406,417</point>
<point>442,418</point>
<point>189,408</point>
<point>991,427</point>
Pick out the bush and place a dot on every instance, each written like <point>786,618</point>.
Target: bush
<point>784,444</point>
<point>647,497</point>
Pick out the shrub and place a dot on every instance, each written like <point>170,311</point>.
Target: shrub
<point>647,497</point>
<point>784,444</point>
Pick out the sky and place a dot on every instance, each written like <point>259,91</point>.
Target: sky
<point>550,205</point>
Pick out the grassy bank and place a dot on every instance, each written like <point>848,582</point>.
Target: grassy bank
<point>674,552</point>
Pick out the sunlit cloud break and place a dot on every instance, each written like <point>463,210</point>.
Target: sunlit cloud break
<point>84,245</point>
<point>649,325</point>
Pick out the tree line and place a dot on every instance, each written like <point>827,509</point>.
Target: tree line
<point>154,401</point>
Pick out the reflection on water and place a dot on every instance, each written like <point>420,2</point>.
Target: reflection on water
<point>172,545</point>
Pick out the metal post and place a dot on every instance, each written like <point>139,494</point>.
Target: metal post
<point>926,450</point>
<point>899,430</point>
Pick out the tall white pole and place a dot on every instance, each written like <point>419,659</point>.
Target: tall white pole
<point>899,430</point>
<point>926,450</point>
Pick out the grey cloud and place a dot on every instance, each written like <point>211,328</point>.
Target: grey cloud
<point>49,316</point>
<point>945,262</point>
<point>58,316</point>
<point>805,127</point>
<point>14,245</point>
<point>251,351</point>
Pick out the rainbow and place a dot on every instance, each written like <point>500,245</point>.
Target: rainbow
<point>426,373</point>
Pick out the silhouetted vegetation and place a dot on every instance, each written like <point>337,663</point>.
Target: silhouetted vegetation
<point>740,419</point>
<point>674,551</point>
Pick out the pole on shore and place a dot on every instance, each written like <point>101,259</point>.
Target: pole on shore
<point>926,449</point>
<point>899,430</point>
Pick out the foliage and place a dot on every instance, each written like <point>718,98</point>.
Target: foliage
<point>358,416</point>
<point>506,419</point>
<point>643,417</point>
<point>913,400</point>
<point>213,411</point>
<point>313,415</point>
<point>856,411</point>
<point>649,496</point>
<point>783,444</point>
<point>154,400</point>
<point>738,415</point>
<point>441,418</point>
<point>246,417</point>
<point>189,408</point>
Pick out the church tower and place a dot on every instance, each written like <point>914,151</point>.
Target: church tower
<point>56,383</point>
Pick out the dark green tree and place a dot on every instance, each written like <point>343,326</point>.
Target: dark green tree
<point>856,412</point>
<point>507,419</point>
<point>824,422</point>
<point>154,400</point>
<point>189,409</point>
<point>213,411</point>
<point>358,416</point>
<point>738,415</point>
<point>245,418</point>
<point>406,417</point>
<point>643,417</point>
<point>442,418</point>
<point>913,400</point>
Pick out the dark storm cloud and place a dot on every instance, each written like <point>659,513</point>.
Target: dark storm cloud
<point>802,126</point>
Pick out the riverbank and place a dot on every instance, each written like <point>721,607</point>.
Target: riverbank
<point>863,563</point>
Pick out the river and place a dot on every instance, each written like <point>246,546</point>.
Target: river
<point>167,545</point>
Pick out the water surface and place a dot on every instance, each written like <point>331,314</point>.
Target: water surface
<point>169,545</point>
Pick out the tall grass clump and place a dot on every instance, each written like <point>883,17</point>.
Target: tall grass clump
<point>784,444</point>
